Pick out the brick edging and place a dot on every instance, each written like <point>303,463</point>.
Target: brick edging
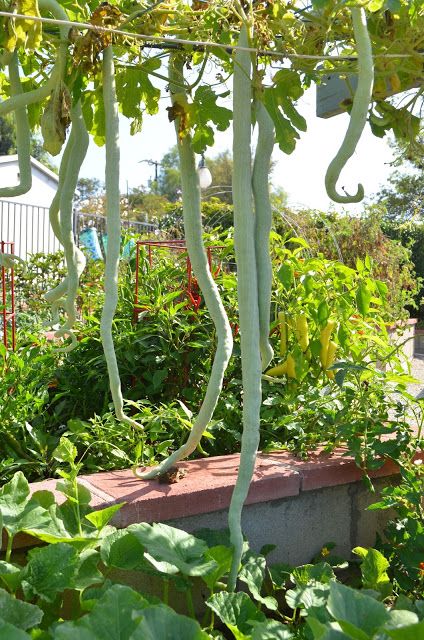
<point>208,484</point>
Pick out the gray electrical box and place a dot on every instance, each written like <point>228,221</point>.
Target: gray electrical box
<point>333,91</point>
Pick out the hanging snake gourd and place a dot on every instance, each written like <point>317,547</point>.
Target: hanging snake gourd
<point>37,95</point>
<point>358,116</point>
<point>197,254</point>
<point>247,287</point>
<point>23,136</point>
<point>75,259</point>
<point>263,222</point>
<point>113,228</point>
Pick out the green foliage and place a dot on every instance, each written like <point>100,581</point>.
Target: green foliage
<point>76,586</point>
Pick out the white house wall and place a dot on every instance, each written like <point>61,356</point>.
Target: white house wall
<point>24,219</point>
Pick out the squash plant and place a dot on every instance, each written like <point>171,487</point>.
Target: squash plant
<point>75,77</point>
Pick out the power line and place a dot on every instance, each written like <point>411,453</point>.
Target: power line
<point>172,43</point>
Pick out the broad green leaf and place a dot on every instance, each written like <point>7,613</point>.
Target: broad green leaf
<point>296,119</point>
<point>160,622</point>
<point>374,570</point>
<point>50,570</point>
<point>10,574</point>
<point>235,610</point>
<point>14,496</point>
<point>253,573</point>
<point>285,134</point>
<point>401,618</point>
<point>323,313</point>
<point>101,518</point>
<point>173,546</point>
<point>65,451</point>
<point>307,597</point>
<point>222,556</point>
<point>270,630</point>
<point>115,617</point>
<point>356,608</point>
<point>411,632</point>
<point>11,632</point>
<point>87,572</point>
<point>308,574</point>
<point>122,550</point>
<point>18,613</point>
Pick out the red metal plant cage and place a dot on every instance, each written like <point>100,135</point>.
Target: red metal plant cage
<point>192,289</point>
<point>8,315</point>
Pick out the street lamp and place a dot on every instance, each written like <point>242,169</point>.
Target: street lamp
<point>205,176</point>
<point>155,164</point>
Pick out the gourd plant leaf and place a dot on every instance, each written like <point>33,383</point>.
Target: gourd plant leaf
<point>357,609</point>
<point>18,511</point>
<point>160,622</point>
<point>178,548</point>
<point>87,572</point>
<point>252,573</point>
<point>411,632</point>
<point>222,556</point>
<point>121,550</point>
<point>374,571</point>
<point>10,574</point>
<point>115,616</point>
<point>270,630</point>
<point>11,632</point>
<point>50,570</point>
<point>22,615</point>
<point>204,111</point>
<point>236,611</point>
<point>285,134</point>
<point>102,517</point>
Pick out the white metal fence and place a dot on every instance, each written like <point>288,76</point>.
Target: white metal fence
<point>29,228</point>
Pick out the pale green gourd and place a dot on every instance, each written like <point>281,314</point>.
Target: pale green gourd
<point>21,100</point>
<point>263,223</point>
<point>358,116</point>
<point>197,254</point>
<point>113,228</point>
<point>23,136</point>
<point>75,259</point>
<point>247,286</point>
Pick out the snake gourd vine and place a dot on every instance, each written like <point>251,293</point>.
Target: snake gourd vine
<point>113,228</point>
<point>197,254</point>
<point>247,287</point>
<point>23,136</point>
<point>263,222</point>
<point>358,116</point>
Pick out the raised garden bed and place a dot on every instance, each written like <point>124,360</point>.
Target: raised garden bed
<point>297,505</point>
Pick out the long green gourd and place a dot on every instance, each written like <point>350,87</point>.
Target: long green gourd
<point>196,251</point>
<point>23,136</point>
<point>75,259</point>
<point>37,95</point>
<point>263,223</point>
<point>53,296</point>
<point>113,227</point>
<point>358,116</point>
<point>247,286</point>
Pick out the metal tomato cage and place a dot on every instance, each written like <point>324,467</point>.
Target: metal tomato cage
<point>7,280</point>
<point>192,291</point>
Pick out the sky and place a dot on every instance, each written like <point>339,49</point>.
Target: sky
<point>300,174</point>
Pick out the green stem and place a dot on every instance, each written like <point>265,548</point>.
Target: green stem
<point>9,547</point>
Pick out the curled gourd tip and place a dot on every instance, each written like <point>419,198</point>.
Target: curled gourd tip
<point>347,198</point>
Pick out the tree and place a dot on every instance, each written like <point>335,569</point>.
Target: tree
<point>403,197</point>
<point>7,137</point>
